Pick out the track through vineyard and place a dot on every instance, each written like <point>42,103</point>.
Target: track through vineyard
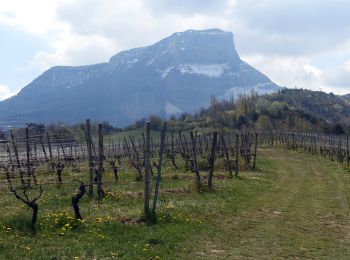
<point>305,215</point>
<point>292,206</point>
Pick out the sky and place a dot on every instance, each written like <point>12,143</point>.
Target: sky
<point>296,43</point>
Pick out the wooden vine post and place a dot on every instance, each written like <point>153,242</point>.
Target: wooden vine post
<point>18,163</point>
<point>100,162</point>
<point>194,158</point>
<point>347,151</point>
<point>14,146</point>
<point>50,150</point>
<point>255,150</point>
<point>43,146</point>
<point>237,152</point>
<point>159,170</point>
<point>28,156</point>
<point>147,172</point>
<point>91,163</point>
<point>229,162</point>
<point>212,160</point>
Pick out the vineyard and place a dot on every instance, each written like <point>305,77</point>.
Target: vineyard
<point>130,193</point>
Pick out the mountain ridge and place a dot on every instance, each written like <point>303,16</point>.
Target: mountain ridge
<point>159,79</point>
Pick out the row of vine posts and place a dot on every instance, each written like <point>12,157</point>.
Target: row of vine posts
<point>333,147</point>
<point>21,157</point>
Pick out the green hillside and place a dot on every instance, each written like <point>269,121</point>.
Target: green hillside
<point>329,107</point>
<point>285,110</point>
<point>347,97</point>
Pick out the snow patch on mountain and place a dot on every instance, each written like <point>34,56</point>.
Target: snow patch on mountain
<point>263,88</point>
<point>166,72</point>
<point>213,33</point>
<point>245,67</point>
<point>260,89</point>
<point>210,32</point>
<point>170,109</point>
<point>209,70</point>
<point>131,62</point>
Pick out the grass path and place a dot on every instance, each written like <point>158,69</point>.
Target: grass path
<point>306,215</point>
<point>293,206</point>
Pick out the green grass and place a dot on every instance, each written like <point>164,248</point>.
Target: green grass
<point>291,207</point>
<point>119,136</point>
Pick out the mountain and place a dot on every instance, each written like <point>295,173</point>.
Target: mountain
<point>347,97</point>
<point>177,74</point>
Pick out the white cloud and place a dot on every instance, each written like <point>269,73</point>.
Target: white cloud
<point>35,16</point>
<point>189,7</point>
<point>301,73</point>
<point>76,50</point>
<point>5,92</point>
<point>316,24</point>
<point>295,43</point>
<point>339,76</point>
<point>89,31</point>
<point>288,71</point>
